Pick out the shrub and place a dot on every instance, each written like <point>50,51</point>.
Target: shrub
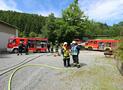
<point>119,50</point>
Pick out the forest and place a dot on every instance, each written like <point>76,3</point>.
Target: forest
<point>73,24</point>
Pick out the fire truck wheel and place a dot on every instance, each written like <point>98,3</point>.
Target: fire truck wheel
<point>90,48</point>
<point>38,51</point>
<point>15,50</point>
<point>107,49</point>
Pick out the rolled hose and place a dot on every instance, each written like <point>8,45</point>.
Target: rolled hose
<point>30,65</point>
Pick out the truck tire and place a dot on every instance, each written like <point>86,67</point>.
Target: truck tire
<point>90,48</point>
<point>38,51</point>
<point>15,50</point>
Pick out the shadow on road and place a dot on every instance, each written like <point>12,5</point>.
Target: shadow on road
<point>4,55</point>
<point>81,65</point>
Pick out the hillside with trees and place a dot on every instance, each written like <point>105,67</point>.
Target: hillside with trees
<point>26,23</point>
<point>73,24</point>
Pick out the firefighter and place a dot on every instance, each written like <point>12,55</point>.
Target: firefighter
<point>48,46</point>
<point>26,48</point>
<point>66,55</point>
<point>51,48</point>
<point>75,54</point>
<point>20,48</point>
<point>57,49</point>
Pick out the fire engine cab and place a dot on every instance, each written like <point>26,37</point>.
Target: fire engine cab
<point>14,42</point>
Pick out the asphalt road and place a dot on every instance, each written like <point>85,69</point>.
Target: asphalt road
<point>96,73</point>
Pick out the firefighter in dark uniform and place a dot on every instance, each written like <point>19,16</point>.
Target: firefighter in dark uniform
<point>48,46</point>
<point>26,48</point>
<point>20,48</point>
<point>75,53</point>
<point>56,47</point>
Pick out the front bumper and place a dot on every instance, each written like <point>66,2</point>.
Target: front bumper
<point>9,49</point>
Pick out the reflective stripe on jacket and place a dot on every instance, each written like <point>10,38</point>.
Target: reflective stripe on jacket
<point>66,52</point>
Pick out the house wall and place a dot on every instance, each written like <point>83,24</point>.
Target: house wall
<point>5,33</point>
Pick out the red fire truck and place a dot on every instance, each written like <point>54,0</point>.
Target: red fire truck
<point>101,44</point>
<point>38,44</point>
<point>35,44</point>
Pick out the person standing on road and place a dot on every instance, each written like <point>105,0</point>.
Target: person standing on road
<point>51,47</point>
<point>66,55</point>
<point>26,48</point>
<point>75,53</point>
<point>48,46</point>
<point>20,48</point>
<point>57,49</point>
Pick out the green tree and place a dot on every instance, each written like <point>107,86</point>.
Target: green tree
<point>32,34</point>
<point>50,27</point>
<point>74,20</point>
<point>26,23</point>
<point>119,50</point>
<point>21,34</point>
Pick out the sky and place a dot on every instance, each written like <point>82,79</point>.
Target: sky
<point>105,11</point>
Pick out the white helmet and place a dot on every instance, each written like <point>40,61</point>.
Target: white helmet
<point>73,42</point>
<point>65,43</point>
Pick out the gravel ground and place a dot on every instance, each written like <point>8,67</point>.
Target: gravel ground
<point>9,60</point>
<point>96,73</point>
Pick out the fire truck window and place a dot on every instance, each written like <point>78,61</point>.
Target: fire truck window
<point>113,44</point>
<point>22,40</point>
<point>31,43</point>
<point>12,41</point>
<point>100,42</point>
<point>43,44</point>
<point>108,44</point>
<point>38,44</point>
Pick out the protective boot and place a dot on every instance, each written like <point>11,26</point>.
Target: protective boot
<point>78,66</point>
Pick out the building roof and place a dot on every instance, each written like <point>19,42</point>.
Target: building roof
<point>5,23</point>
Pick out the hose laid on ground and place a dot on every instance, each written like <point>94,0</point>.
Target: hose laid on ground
<point>31,65</point>
<point>15,64</point>
<point>6,70</point>
<point>24,61</point>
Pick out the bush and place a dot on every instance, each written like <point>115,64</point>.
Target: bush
<point>119,50</point>
<point>32,34</point>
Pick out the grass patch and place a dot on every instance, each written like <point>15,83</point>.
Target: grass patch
<point>119,50</point>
